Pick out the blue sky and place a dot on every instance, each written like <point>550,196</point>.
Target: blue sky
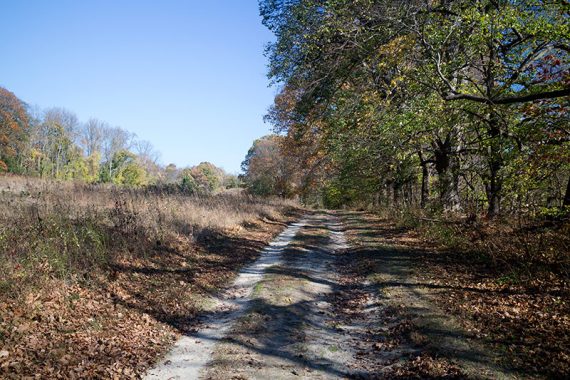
<point>189,76</point>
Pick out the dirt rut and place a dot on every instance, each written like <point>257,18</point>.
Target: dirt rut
<point>289,330</point>
<point>191,353</point>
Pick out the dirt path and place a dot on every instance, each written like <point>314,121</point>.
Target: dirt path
<point>290,330</point>
<point>190,354</point>
<point>307,309</point>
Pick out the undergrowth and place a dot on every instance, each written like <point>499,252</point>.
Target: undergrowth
<point>518,251</point>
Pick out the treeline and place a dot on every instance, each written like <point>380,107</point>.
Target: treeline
<point>456,106</point>
<point>54,144</point>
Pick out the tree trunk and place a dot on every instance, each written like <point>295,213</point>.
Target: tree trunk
<point>424,194</point>
<point>396,197</point>
<point>495,183</point>
<point>376,200</point>
<point>566,201</point>
<point>454,199</point>
<point>448,181</point>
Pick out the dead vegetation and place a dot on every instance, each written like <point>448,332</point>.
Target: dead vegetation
<point>507,283</point>
<point>97,281</point>
<point>511,285</point>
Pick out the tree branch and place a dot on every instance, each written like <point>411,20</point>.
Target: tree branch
<point>511,99</point>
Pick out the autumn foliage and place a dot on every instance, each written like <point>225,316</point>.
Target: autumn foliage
<point>13,127</point>
<point>454,107</point>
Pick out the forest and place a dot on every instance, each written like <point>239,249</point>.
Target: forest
<point>449,119</point>
<point>447,106</point>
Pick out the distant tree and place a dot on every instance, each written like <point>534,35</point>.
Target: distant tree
<point>93,164</point>
<point>77,166</point>
<point>266,170</point>
<point>92,135</point>
<point>13,128</point>
<point>115,140</point>
<point>54,142</point>
<point>170,174</point>
<point>147,157</point>
<point>66,119</point>
<point>231,181</point>
<point>187,182</point>
<point>124,170</point>
<point>208,177</point>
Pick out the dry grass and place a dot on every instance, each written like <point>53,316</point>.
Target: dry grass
<point>153,209</point>
<point>95,281</point>
<point>64,228</point>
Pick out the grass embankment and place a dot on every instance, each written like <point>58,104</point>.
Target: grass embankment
<point>97,281</point>
<point>508,283</point>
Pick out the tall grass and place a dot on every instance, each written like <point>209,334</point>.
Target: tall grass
<point>67,230</point>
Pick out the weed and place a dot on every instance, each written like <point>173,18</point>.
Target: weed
<point>82,263</point>
<point>257,289</point>
<point>511,278</point>
<point>446,235</point>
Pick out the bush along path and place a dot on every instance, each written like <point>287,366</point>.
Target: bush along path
<point>326,302</point>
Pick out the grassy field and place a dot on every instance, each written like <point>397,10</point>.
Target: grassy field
<point>96,281</point>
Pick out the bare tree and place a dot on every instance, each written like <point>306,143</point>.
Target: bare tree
<point>115,140</point>
<point>146,151</point>
<point>148,157</point>
<point>92,135</point>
